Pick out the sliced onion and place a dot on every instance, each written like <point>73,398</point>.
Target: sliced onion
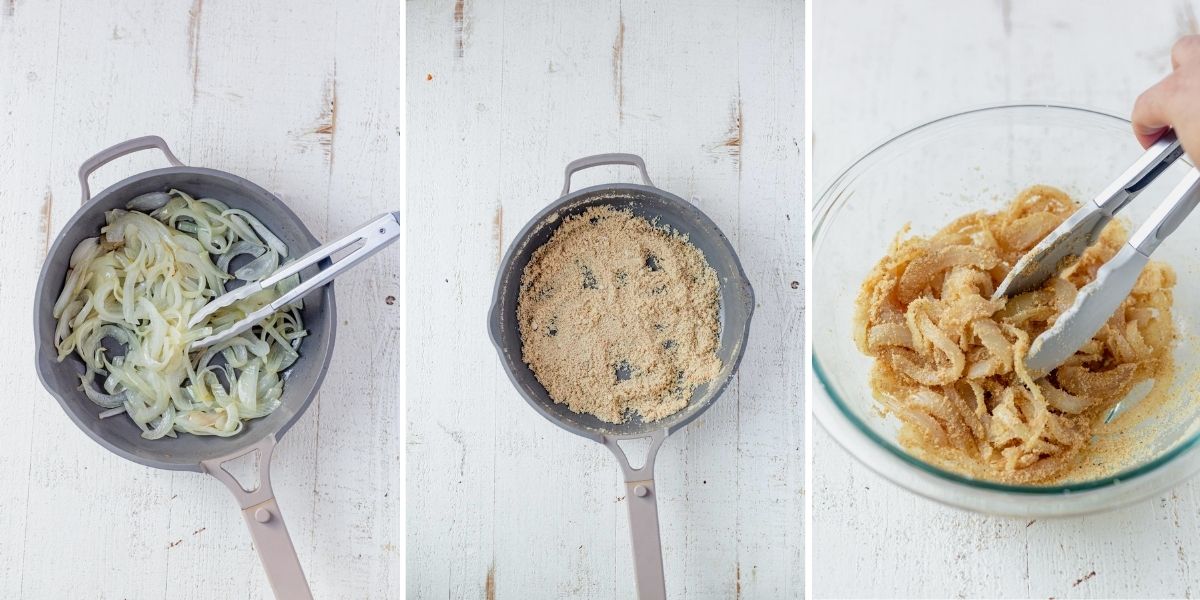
<point>101,399</point>
<point>112,412</point>
<point>247,387</point>
<point>140,288</point>
<point>266,234</point>
<point>237,249</point>
<point>288,284</point>
<point>148,202</point>
<point>164,424</point>
<point>259,268</point>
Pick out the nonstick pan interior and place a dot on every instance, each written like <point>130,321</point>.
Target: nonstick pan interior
<point>660,208</point>
<point>121,435</point>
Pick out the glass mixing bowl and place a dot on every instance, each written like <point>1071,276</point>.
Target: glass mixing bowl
<point>978,160</point>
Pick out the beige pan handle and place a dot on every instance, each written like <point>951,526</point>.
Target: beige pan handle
<point>612,158</point>
<point>265,522</point>
<point>112,153</point>
<point>643,518</point>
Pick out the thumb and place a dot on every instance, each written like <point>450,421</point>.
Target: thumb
<point>1152,113</point>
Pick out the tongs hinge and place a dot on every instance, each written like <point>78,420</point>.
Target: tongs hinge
<point>1157,158</point>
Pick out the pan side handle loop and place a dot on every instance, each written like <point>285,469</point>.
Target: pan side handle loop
<point>643,519</point>
<point>612,158</point>
<point>265,521</point>
<point>110,154</point>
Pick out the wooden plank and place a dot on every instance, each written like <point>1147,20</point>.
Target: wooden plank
<point>454,224</point>
<point>28,76</point>
<point>771,461</point>
<point>359,428</point>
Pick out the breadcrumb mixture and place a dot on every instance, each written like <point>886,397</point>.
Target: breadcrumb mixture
<point>949,360</point>
<point>619,317</point>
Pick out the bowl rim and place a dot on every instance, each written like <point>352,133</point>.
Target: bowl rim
<point>821,211</point>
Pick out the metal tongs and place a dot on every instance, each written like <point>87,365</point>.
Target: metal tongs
<point>1097,301</point>
<point>370,238</point>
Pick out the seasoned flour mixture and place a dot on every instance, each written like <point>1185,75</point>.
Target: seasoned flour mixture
<point>618,316</point>
<point>949,360</point>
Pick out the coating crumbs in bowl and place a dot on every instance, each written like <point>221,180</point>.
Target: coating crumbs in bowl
<point>950,360</point>
<point>618,317</point>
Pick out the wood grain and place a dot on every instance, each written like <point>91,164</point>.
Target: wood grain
<point>302,98</point>
<point>879,68</point>
<point>502,503</point>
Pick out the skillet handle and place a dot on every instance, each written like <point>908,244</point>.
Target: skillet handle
<point>265,521</point>
<point>613,158</point>
<point>643,519</point>
<point>107,155</point>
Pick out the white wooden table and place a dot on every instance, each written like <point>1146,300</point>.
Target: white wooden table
<point>501,502</point>
<point>878,68</point>
<point>304,99</point>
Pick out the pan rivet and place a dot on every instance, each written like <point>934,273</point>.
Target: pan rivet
<point>262,515</point>
<point>640,491</point>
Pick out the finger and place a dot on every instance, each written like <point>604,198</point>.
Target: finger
<point>1152,112</point>
<point>1185,51</point>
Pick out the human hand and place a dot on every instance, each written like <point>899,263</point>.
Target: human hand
<point>1173,102</point>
